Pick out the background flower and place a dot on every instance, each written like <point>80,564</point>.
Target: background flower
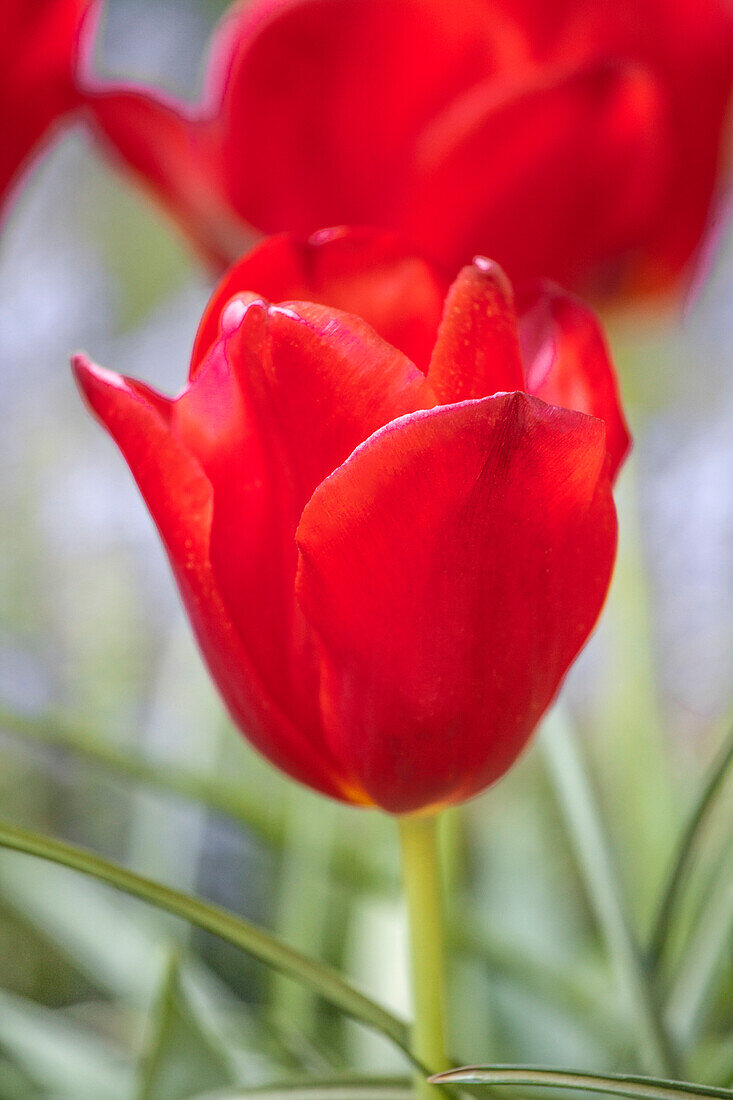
<point>582,144</point>
<point>39,44</point>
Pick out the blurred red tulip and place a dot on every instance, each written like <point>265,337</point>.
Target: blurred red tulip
<point>387,508</point>
<point>578,140</point>
<point>39,43</point>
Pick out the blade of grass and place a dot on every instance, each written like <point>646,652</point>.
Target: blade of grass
<point>258,943</point>
<point>686,847</point>
<point>616,1084</point>
<point>180,1055</point>
<point>579,804</point>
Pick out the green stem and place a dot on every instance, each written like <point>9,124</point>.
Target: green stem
<point>423,892</point>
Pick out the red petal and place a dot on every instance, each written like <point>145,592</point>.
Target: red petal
<point>477,351</point>
<point>39,44</point>
<point>688,48</point>
<point>328,141</point>
<point>175,154</point>
<point>690,44</point>
<point>452,568</point>
<point>272,411</point>
<point>552,175</point>
<point>500,127</point>
<point>361,271</point>
<point>567,362</point>
<point>179,497</point>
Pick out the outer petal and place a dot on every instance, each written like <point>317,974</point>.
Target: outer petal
<point>477,351</point>
<point>567,362</point>
<point>452,569</point>
<point>278,404</point>
<point>369,273</point>
<point>179,497</point>
<point>177,156</point>
<point>39,42</point>
<point>554,174</point>
<point>355,83</point>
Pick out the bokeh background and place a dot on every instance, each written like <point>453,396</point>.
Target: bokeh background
<point>111,735</point>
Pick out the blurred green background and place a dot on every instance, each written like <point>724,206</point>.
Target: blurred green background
<point>112,737</point>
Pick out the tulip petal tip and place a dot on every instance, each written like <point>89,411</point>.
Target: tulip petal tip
<point>81,368</point>
<point>92,379</point>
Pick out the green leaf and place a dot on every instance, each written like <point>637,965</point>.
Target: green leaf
<point>616,1084</point>
<point>579,804</point>
<point>211,918</point>
<point>686,848</point>
<point>181,1055</point>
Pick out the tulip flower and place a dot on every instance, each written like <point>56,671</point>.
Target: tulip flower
<point>39,44</point>
<point>579,141</point>
<point>387,504</point>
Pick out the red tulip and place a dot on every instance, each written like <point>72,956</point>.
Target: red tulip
<point>577,140</point>
<point>389,562</point>
<point>39,43</point>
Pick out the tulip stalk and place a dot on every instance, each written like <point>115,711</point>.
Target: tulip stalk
<point>424,895</point>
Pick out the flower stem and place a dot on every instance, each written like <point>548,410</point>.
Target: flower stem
<point>421,877</point>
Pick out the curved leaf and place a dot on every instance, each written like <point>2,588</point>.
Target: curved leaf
<point>616,1084</point>
<point>317,976</point>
